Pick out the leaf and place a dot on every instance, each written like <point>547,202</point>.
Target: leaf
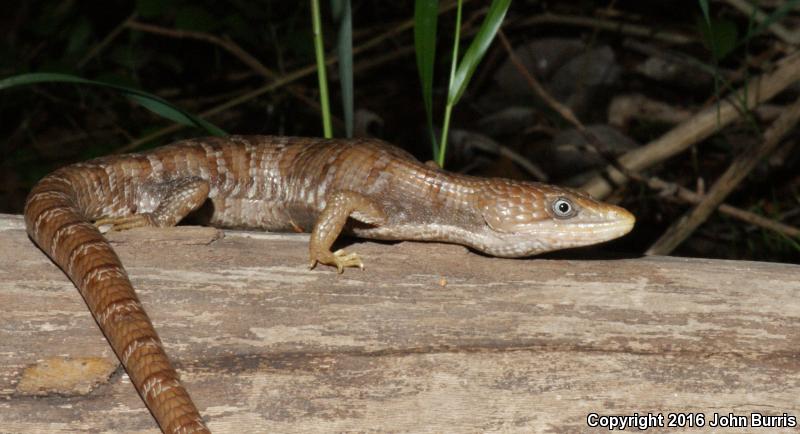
<point>491,23</point>
<point>175,114</point>
<point>149,101</point>
<point>720,36</point>
<point>342,14</point>
<point>706,13</point>
<point>426,13</point>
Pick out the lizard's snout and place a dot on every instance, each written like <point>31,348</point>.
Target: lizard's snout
<point>619,221</point>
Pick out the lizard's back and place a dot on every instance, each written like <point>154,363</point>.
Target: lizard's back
<point>258,182</point>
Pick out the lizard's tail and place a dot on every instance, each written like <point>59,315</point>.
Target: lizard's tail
<point>56,223</point>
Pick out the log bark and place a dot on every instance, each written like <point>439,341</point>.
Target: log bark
<point>429,337</point>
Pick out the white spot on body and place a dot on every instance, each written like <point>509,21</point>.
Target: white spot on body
<point>82,250</point>
<point>205,173</point>
<point>155,386</point>
<point>237,187</point>
<point>67,231</point>
<point>48,215</point>
<point>101,274</point>
<point>381,183</point>
<point>252,188</point>
<point>136,344</point>
<point>58,178</point>
<point>252,171</point>
<point>156,166</point>
<point>48,194</point>
<point>126,306</point>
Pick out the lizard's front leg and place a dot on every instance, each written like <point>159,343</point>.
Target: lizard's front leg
<point>182,197</point>
<point>339,206</point>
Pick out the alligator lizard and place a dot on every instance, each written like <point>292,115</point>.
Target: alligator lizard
<point>364,187</point>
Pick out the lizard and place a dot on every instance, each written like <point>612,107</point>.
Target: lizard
<point>364,187</point>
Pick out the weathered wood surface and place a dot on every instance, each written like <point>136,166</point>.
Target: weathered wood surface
<point>430,338</point>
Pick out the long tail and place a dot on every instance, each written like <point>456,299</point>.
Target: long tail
<point>57,224</point>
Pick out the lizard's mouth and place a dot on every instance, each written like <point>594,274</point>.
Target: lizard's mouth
<point>612,222</point>
<point>589,227</point>
<point>618,222</point>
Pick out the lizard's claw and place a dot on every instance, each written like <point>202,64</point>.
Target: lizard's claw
<point>344,259</point>
<point>127,222</point>
<point>339,259</point>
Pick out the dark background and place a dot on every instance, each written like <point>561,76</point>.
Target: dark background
<point>46,126</point>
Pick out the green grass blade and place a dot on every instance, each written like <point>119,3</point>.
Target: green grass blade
<point>777,15</point>
<point>343,14</point>
<point>168,111</point>
<point>149,101</point>
<point>448,109</point>
<point>474,54</point>
<point>704,8</point>
<point>426,13</point>
<point>720,36</point>
<point>316,24</point>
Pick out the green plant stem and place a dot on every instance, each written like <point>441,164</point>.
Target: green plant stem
<point>451,95</point>
<point>321,74</point>
<point>445,128</point>
<point>342,14</point>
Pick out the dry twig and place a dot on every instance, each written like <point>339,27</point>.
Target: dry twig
<point>701,126</point>
<point>231,47</point>
<point>538,89</point>
<point>565,112</point>
<point>727,182</point>
<point>100,46</point>
<point>613,26</point>
<point>689,196</point>
<point>750,10</point>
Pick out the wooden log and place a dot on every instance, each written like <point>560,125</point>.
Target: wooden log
<point>429,337</point>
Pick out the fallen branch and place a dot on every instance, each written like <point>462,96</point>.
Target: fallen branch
<point>727,182</point>
<point>701,126</point>
<point>689,196</point>
<point>608,25</point>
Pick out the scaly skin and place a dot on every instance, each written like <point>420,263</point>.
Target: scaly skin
<point>364,187</point>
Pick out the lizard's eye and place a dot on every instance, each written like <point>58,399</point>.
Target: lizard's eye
<point>563,208</point>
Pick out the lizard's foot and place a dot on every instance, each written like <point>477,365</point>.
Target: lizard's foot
<point>344,259</point>
<point>127,222</point>
<point>340,259</point>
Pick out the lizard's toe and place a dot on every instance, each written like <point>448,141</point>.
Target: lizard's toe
<point>127,222</point>
<point>339,259</point>
<point>344,259</point>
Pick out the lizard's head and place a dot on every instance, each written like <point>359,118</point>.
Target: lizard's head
<point>525,218</point>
